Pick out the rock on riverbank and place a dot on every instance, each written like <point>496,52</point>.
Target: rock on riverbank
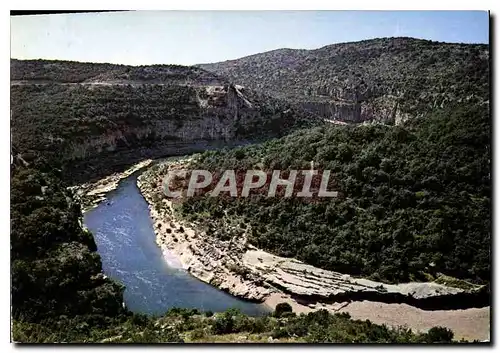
<point>91,194</point>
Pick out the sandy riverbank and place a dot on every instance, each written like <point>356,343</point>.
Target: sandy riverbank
<point>469,324</point>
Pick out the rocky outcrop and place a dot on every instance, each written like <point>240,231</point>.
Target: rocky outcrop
<point>310,284</point>
<point>384,109</point>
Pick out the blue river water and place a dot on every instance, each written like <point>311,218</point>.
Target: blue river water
<point>125,239</point>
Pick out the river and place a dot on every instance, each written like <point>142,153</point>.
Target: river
<point>125,239</point>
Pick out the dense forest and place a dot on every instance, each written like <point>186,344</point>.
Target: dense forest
<point>414,200</point>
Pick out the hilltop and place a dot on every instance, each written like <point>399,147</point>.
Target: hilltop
<point>61,71</point>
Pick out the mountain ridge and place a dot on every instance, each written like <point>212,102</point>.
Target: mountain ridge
<point>342,43</point>
<point>386,79</point>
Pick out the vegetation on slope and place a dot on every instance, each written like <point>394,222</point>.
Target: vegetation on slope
<point>85,128</point>
<point>414,201</point>
<point>416,74</point>
<point>74,114</point>
<point>192,326</point>
<point>55,266</point>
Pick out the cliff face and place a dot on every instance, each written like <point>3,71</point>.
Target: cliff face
<point>217,113</point>
<point>95,116</point>
<point>387,79</point>
<point>383,109</point>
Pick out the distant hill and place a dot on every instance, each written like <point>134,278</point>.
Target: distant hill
<point>45,71</point>
<point>387,79</point>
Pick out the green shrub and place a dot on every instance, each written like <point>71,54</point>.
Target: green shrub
<point>223,324</point>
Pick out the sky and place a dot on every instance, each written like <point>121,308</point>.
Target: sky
<point>193,37</point>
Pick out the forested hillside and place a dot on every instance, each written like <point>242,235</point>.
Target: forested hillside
<point>94,119</point>
<point>414,200</point>
<point>385,79</point>
<point>55,266</point>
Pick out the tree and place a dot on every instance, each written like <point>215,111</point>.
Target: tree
<point>281,309</point>
<point>439,334</point>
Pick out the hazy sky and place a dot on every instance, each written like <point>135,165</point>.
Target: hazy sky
<point>186,37</point>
